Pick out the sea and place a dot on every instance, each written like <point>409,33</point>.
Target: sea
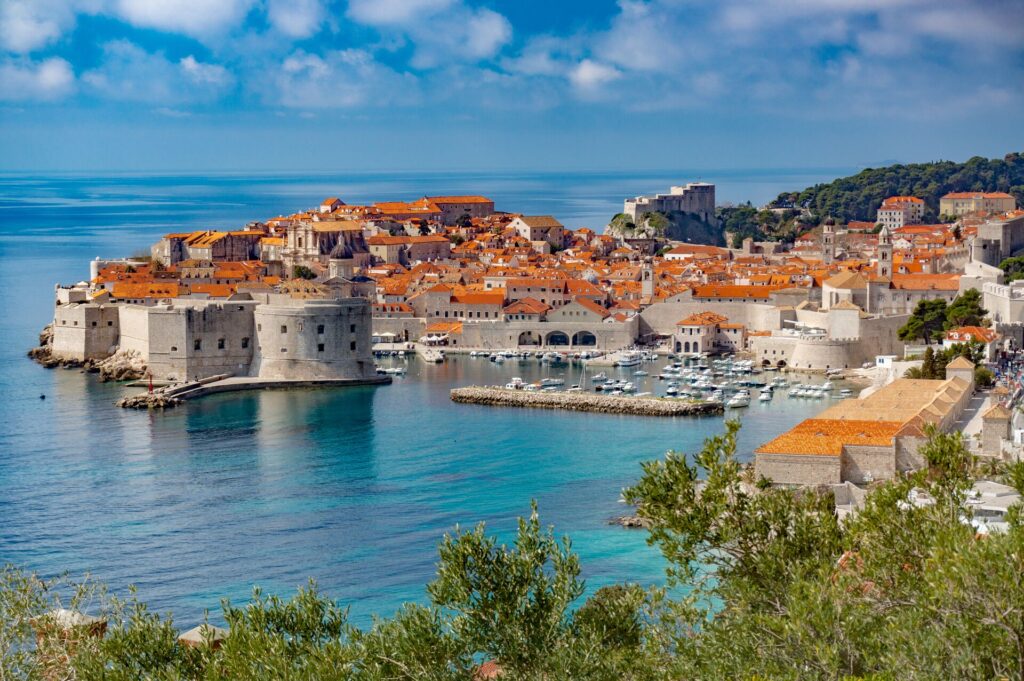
<point>353,488</point>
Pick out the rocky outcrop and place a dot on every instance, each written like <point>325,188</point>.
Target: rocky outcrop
<point>630,521</point>
<point>606,404</point>
<point>148,401</point>
<point>123,365</point>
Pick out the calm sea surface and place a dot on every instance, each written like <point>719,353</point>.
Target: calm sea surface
<point>351,487</point>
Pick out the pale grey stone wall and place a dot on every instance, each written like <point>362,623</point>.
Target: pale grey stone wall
<point>861,464</point>
<point>797,469</point>
<point>84,331</point>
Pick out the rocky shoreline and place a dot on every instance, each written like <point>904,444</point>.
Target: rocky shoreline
<point>123,365</point>
<point>605,404</point>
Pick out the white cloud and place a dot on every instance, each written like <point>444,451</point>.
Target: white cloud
<point>402,13</point>
<point>46,80</point>
<point>205,74</point>
<point>590,75</point>
<point>544,55</point>
<point>197,18</point>
<point>296,18</point>
<point>27,25</point>
<point>339,79</point>
<point>129,73</point>
<point>442,31</point>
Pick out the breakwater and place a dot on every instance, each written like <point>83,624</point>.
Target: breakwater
<point>605,404</point>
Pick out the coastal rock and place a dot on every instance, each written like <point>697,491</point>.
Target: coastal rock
<point>630,521</point>
<point>123,365</point>
<point>605,404</point>
<point>148,401</point>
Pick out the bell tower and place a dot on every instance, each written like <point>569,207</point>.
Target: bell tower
<point>828,241</point>
<point>884,253</point>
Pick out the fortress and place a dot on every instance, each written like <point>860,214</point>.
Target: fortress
<point>697,198</point>
<point>271,336</point>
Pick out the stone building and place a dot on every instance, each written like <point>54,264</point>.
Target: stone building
<point>897,211</point>
<point>709,332</point>
<point>697,198</point>
<point>867,439</point>
<point>965,203</point>
<point>995,428</point>
<point>272,335</point>
<point>454,207</point>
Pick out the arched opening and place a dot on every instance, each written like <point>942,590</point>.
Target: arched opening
<point>529,338</point>
<point>679,346</point>
<point>556,338</point>
<point>584,339</point>
<point>766,362</point>
<point>781,363</point>
<point>686,346</point>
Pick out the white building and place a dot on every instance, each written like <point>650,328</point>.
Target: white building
<point>897,211</point>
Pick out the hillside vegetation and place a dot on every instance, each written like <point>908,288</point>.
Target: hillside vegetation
<point>857,197</point>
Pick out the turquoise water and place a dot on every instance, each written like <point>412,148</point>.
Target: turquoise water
<point>351,487</point>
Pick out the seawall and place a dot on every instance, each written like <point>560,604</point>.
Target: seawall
<point>605,404</point>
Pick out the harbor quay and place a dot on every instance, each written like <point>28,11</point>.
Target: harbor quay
<point>605,404</point>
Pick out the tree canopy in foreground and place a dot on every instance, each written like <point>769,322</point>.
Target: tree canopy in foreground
<point>764,583</point>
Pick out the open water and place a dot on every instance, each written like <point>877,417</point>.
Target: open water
<point>351,487</point>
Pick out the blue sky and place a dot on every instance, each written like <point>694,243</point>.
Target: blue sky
<point>290,85</point>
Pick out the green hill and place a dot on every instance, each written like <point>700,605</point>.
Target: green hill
<point>857,197</point>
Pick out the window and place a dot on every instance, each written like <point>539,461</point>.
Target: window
<point>320,328</point>
<point>110,323</point>
<point>284,349</point>
<point>197,344</point>
<point>94,323</point>
<point>319,347</point>
<point>259,327</point>
<point>76,322</point>
<point>284,329</point>
<point>245,342</point>
<point>174,348</point>
<point>352,346</point>
<point>352,328</point>
<point>240,308</point>
<point>220,343</point>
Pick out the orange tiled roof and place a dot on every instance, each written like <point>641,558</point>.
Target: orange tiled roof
<point>826,437</point>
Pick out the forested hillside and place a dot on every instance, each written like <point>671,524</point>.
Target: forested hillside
<point>858,197</point>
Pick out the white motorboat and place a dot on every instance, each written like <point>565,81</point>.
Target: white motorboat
<point>629,359</point>
<point>765,396</point>
<point>738,401</point>
<point>599,378</point>
<point>549,382</point>
<point>515,384</point>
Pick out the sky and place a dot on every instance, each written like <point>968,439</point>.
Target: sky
<point>377,85</point>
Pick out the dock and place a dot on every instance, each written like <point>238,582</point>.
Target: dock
<point>604,404</point>
<point>173,395</point>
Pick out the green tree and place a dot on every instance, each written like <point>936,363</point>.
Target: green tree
<point>928,365</point>
<point>511,603</point>
<point>303,272</point>
<point>966,310</point>
<point>928,318</point>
